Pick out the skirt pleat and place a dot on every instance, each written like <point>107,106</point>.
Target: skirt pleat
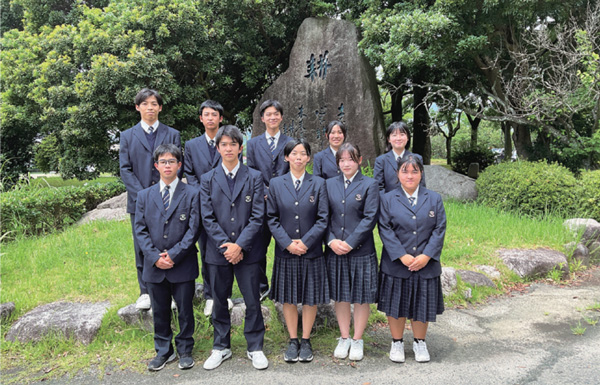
<point>353,279</point>
<point>299,280</point>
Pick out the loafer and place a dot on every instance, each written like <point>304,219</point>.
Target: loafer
<point>143,302</point>
<point>208,307</point>
<point>356,350</point>
<point>159,362</point>
<point>291,354</point>
<point>397,351</point>
<point>186,361</point>
<point>265,294</point>
<point>216,358</point>
<point>259,360</point>
<point>306,353</point>
<point>421,352</point>
<point>341,350</point>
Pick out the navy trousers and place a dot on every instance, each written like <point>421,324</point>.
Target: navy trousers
<point>139,259</point>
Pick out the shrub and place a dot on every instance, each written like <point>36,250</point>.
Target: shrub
<point>461,159</point>
<point>589,194</point>
<point>30,210</point>
<point>532,188</point>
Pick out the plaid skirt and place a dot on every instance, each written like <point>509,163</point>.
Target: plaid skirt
<point>352,279</point>
<point>298,280</point>
<point>415,298</point>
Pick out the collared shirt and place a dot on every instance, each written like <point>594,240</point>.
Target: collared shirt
<point>350,179</point>
<point>334,151</point>
<point>234,171</point>
<point>208,139</point>
<point>301,179</point>
<point>172,188</point>
<point>276,136</point>
<point>414,194</point>
<point>398,156</point>
<point>146,126</point>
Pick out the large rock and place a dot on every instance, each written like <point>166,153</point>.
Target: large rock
<point>328,79</point>
<point>490,271</point>
<point>475,279</point>
<point>589,229</point>
<point>114,209</point>
<point>118,202</point>
<point>78,320</point>
<point>529,263</point>
<point>325,315</point>
<point>450,184</point>
<point>238,313</point>
<point>448,279</point>
<point>6,309</point>
<point>579,252</point>
<point>594,249</point>
<point>142,318</point>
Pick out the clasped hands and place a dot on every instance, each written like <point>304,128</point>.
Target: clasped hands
<point>415,263</point>
<point>233,253</point>
<point>297,247</point>
<point>164,262</point>
<point>340,247</point>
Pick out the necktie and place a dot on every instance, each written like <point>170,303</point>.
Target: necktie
<point>348,183</point>
<point>150,129</point>
<point>412,201</point>
<point>166,197</point>
<point>298,185</point>
<point>272,146</point>
<point>211,143</point>
<point>230,181</point>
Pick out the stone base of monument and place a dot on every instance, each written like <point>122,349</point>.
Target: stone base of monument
<point>325,315</point>
<point>474,278</point>
<point>528,263</point>
<point>132,316</point>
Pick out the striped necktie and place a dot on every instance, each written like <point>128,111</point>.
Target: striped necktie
<point>166,197</point>
<point>297,185</point>
<point>272,146</point>
<point>412,201</point>
<point>348,183</point>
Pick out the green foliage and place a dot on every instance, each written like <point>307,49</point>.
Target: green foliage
<point>31,210</point>
<point>531,188</point>
<point>47,154</point>
<point>462,158</point>
<point>588,194</point>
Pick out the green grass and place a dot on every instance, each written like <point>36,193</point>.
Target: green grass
<point>94,262</point>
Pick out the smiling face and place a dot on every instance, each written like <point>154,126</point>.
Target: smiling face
<point>398,140</point>
<point>336,137</point>
<point>298,159</point>
<point>409,177</point>
<point>149,110</point>
<point>211,119</point>
<point>272,119</point>
<point>167,166</point>
<point>348,165</point>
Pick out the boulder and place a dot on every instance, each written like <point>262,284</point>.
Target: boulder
<point>142,318</point>
<point>325,315</point>
<point>118,202</point>
<point>529,263</point>
<point>199,292</point>
<point>490,271</point>
<point>450,184</point>
<point>6,309</point>
<point>448,279</point>
<point>70,319</point>
<point>475,279</point>
<point>589,229</point>
<point>579,252</point>
<point>473,171</point>
<point>594,249</point>
<point>238,313</point>
<point>114,209</point>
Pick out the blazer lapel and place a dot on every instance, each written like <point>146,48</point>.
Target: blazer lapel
<point>306,185</point>
<point>281,142</point>
<point>330,158</point>
<point>262,140</point>
<point>161,133</point>
<point>401,195</point>
<point>139,133</point>
<point>355,183</point>
<point>240,181</point>
<point>157,199</point>
<point>289,184</point>
<point>391,157</point>
<point>221,180</point>
<point>422,198</point>
<point>178,194</point>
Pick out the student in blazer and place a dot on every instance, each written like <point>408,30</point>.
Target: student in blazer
<point>412,226</point>
<point>297,209</point>
<point>385,170</point>
<point>233,213</point>
<point>167,220</point>
<point>136,162</point>
<point>351,255</point>
<point>324,163</point>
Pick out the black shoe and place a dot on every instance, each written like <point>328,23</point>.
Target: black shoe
<point>265,294</point>
<point>186,361</point>
<point>291,354</point>
<point>306,354</point>
<point>159,362</point>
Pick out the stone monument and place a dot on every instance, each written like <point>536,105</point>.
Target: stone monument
<point>328,79</point>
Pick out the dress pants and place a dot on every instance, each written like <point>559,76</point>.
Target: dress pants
<point>139,259</point>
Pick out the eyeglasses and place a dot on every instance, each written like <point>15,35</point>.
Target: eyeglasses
<point>170,162</point>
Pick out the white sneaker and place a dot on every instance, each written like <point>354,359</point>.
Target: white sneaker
<point>341,351</point>
<point>356,350</point>
<point>421,352</point>
<point>143,302</point>
<point>397,351</point>
<point>208,307</point>
<point>259,360</point>
<point>229,304</point>
<point>216,358</point>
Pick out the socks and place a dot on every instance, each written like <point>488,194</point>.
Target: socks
<point>398,340</point>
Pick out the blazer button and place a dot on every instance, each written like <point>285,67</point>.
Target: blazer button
<point>414,232</point>
<point>414,248</point>
<point>414,217</point>
<point>344,201</point>
<point>342,214</point>
<point>296,217</point>
<point>166,222</point>
<point>233,234</point>
<point>153,182</point>
<point>233,204</point>
<point>342,229</point>
<point>297,230</point>
<point>273,174</point>
<point>296,203</point>
<point>165,236</point>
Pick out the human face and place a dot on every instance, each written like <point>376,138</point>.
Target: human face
<point>298,159</point>
<point>272,119</point>
<point>336,137</point>
<point>149,109</point>
<point>348,166</point>
<point>409,177</point>
<point>398,140</point>
<point>167,166</point>
<point>210,119</point>
<point>229,150</point>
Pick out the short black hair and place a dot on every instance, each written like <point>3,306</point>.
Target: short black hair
<point>211,104</point>
<point>271,103</point>
<point>167,148</point>
<point>289,147</point>
<point>408,160</point>
<point>231,131</point>
<point>397,126</point>
<point>351,149</point>
<point>144,94</point>
<point>334,123</point>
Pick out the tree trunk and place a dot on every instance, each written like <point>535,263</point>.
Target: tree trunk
<point>397,111</point>
<point>449,150</point>
<point>420,143</point>
<point>507,141</point>
<point>474,130</point>
<point>522,138</point>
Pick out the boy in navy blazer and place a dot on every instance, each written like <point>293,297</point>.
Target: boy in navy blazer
<point>233,205</point>
<point>136,163</point>
<point>265,154</point>
<point>167,219</point>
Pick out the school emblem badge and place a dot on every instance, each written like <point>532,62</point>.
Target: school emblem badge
<point>182,217</point>
<point>311,199</point>
<point>431,214</point>
<point>358,197</point>
<point>248,198</point>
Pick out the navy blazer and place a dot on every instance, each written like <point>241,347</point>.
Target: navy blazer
<point>175,230</point>
<point>197,159</point>
<point>412,230</point>
<point>386,171</point>
<point>136,159</point>
<point>353,212</point>
<point>259,157</point>
<point>298,216</point>
<point>232,217</point>
<point>324,164</point>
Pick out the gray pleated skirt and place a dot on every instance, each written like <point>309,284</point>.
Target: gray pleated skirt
<point>298,280</point>
<point>352,279</point>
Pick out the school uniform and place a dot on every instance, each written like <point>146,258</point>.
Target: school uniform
<point>324,164</point>
<point>176,231</point>
<point>271,164</point>
<point>353,213</point>
<point>406,229</point>
<point>386,171</point>
<point>301,214</point>
<point>136,163</point>
<point>233,211</point>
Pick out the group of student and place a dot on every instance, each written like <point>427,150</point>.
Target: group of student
<point>322,225</point>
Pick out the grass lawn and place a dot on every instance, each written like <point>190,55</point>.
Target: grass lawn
<point>94,262</point>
